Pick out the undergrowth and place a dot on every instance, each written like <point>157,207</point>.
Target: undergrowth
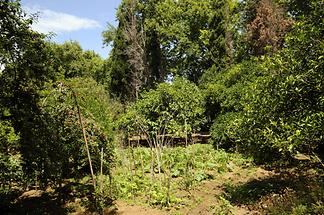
<point>241,185</point>
<point>182,168</point>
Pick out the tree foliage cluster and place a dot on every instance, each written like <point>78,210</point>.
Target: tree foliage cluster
<point>68,60</point>
<point>257,64</point>
<point>166,110</point>
<point>51,104</point>
<point>277,99</point>
<point>177,38</point>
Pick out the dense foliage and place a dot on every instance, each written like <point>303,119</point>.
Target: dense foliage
<point>273,106</point>
<point>50,106</point>
<point>23,74</point>
<point>249,73</point>
<point>166,112</point>
<point>183,168</point>
<point>69,60</point>
<point>285,109</point>
<point>225,99</point>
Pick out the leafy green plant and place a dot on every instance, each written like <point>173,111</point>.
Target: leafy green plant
<point>166,110</point>
<point>223,207</point>
<point>225,97</point>
<point>183,168</point>
<point>10,158</point>
<point>284,110</point>
<point>81,118</point>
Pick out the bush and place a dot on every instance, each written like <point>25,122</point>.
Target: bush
<point>284,113</point>
<point>273,107</point>
<point>225,99</point>
<point>10,159</point>
<point>173,108</point>
<point>58,152</point>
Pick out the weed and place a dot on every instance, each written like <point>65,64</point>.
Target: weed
<point>180,168</point>
<point>223,207</point>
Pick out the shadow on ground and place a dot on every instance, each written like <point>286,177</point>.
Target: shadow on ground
<point>40,203</point>
<point>46,202</point>
<point>282,193</point>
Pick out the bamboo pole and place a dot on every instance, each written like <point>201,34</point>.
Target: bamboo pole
<point>85,140</point>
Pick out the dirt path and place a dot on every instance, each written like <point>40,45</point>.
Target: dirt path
<point>127,209</point>
<point>207,195</point>
<point>204,199</point>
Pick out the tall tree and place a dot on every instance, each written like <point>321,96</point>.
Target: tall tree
<point>265,32</point>
<point>135,36</point>
<point>182,37</point>
<point>284,108</point>
<point>184,30</point>
<point>25,69</point>
<point>154,57</point>
<point>118,61</point>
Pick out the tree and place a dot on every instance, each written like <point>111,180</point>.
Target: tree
<point>135,60</point>
<point>284,110</point>
<point>117,64</point>
<point>157,40</point>
<point>38,125</point>
<point>135,36</point>
<point>271,106</point>
<point>68,60</point>
<point>225,99</point>
<point>165,113</point>
<point>72,107</point>
<point>185,31</point>
<point>265,33</point>
<point>166,110</point>
<point>24,71</point>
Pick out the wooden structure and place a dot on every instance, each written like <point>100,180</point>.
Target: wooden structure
<point>142,140</point>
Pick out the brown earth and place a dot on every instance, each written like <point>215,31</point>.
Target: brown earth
<point>203,199</point>
<point>259,190</point>
<point>129,209</point>
<point>209,192</point>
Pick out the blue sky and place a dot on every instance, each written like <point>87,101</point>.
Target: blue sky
<point>79,20</point>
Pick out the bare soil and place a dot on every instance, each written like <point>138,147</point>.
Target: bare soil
<point>124,208</point>
<point>256,190</point>
<point>204,198</point>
